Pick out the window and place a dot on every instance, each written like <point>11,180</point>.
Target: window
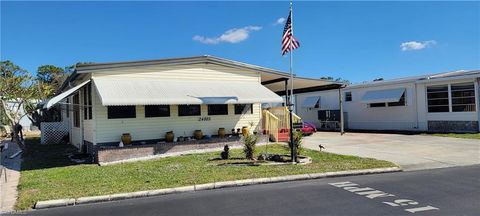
<point>401,102</point>
<point>463,97</point>
<point>87,102</point>
<point>218,109</point>
<point>76,110</point>
<point>118,112</point>
<point>348,96</point>
<point>157,111</point>
<point>377,104</point>
<point>243,109</point>
<point>437,97</point>
<point>189,110</point>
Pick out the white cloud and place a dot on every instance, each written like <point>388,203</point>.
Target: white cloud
<point>280,21</point>
<point>415,45</point>
<point>235,35</point>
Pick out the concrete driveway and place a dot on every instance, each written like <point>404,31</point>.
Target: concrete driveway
<point>411,152</point>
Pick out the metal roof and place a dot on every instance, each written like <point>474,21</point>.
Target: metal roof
<point>157,92</point>
<point>422,78</point>
<point>383,96</point>
<point>267,74</point>
<point>87,68</point>
<point>52,101</point>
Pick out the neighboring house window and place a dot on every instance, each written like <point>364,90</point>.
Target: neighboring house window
<point>118,112</point>
<point>189,110</point>
<point>463,97</point>
<point>437,97</point>
<point>76,110</point>
<point>157,111</point>
<point>243,109</point>
<point>377,104</point>
<point>348,96</point>
<point>401,102</point>
<point>87,102</point>
<point>68,107</point>
<point>218,109</point>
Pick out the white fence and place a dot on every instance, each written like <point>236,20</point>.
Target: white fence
<point>53,132</point>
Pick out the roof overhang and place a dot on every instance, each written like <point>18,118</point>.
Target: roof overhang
<point>311,102</point>
<point>158,92</point>
<point>50,103</point>
<point>270,78</point>
<point>383,96</point>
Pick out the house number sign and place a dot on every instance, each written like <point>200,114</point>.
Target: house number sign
<point>204,118</point>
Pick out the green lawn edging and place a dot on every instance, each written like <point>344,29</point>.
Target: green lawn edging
<point>47,175</point>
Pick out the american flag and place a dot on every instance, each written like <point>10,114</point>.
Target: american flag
<point>288,36</point>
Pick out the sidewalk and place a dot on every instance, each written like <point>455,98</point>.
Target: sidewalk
<point>8,189</point>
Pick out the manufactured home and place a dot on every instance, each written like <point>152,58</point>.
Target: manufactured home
<point>444,102</point>
<point>147,99</point>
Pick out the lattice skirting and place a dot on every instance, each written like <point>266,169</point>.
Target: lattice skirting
<point>53,132</point>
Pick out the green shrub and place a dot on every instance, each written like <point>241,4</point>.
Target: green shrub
<point>226,152</point>
<point>297,139</point>
<point>250,142</point>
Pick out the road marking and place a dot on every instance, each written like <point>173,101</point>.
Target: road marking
<point>372,193</point>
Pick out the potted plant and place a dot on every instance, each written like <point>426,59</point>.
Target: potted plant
<point>245,131</point>
<point>126,138</point>
<point>221,132</point>
<point>169,136</point>
<point>198,134</point>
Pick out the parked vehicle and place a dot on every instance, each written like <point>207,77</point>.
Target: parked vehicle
<point>308,128</point>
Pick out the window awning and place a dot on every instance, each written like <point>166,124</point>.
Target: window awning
<point>63,95</point>
<point>162,92</point>
<point>311,102</point>
<point>383,96</point>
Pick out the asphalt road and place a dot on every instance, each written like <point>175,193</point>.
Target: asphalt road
<point>448,191</point>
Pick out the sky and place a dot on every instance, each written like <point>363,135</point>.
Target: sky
<point>357,41</point>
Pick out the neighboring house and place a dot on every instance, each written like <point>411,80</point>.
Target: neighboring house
<point>100,102</point>
<point>445,102</point>
<point>27,124</point>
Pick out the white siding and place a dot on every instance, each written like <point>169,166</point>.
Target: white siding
<point>141,128</point>
<point>328,101</point>
<point>413,116</point>
<point>361,116</point>
<point>194,71</point>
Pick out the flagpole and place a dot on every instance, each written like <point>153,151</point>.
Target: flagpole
<point>290,102</point>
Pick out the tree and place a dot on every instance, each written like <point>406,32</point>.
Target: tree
<point>50,78</point>
<point>17,88</point>
<point>48,81</point>
<point>344,81</point>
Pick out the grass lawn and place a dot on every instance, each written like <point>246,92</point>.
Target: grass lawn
<point>457,135</point>
<point>47,173</point>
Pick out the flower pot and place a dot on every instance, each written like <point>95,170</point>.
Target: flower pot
<point>169,136</point>
<point>126,138</point>
<point>198,134</point>
<point>245,131</point>
<point>221,132</point>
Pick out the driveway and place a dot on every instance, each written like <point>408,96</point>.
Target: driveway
<point>411,152</point>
